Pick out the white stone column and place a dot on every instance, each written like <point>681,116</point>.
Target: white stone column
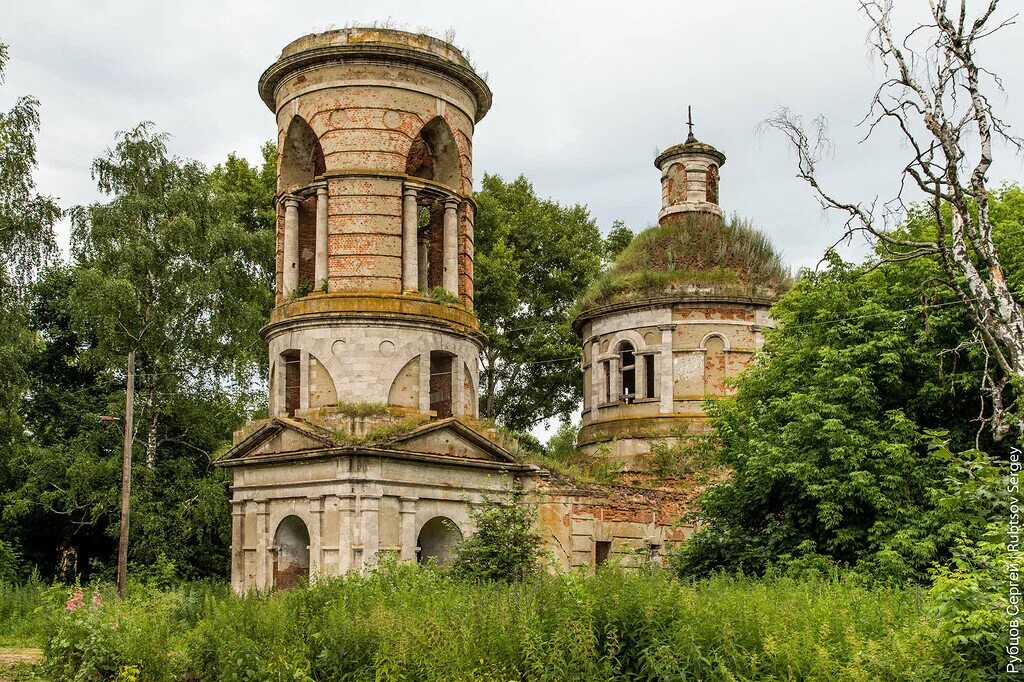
<point>316,515</point>
<point>410,249</point>
<point>321,237</point>
<point>425,382</point>
<point>291,245</point>
<point>596,379</point>
<point>451,245</point>
<point>422,261</point>
<point>303,380</point>
<point>614,363</point>
<point>458,388</point>
<point>408,512</point>
<point>667,372</point>
<point>264,561</point>
<point>238,546</point>
<point>639,376</point>
<point>345,536</point>
<point>369,527</point>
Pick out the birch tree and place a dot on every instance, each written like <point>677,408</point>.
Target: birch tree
<point>938,95</point>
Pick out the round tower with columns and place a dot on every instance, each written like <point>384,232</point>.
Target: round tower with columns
<point>374,223</point>
<point>678,314</point>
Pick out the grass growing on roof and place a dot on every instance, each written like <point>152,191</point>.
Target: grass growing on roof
<point>732,258</point>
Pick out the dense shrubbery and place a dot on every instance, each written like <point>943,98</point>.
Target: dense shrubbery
<point>404,622</point>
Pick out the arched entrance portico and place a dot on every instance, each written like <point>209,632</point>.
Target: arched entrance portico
<point>291,553</point>
<point>437,538</point>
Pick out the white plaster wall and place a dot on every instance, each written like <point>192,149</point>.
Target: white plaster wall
<point>363,359</point>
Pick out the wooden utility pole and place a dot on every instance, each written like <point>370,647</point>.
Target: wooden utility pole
<point>126,475</point>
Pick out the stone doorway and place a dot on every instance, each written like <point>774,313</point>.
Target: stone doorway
<point>437,539</point>
<point>291,553</point>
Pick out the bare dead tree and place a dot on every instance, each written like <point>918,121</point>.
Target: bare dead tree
<point>935,92</point>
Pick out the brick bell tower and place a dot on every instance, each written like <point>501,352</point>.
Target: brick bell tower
<point>374,223</point>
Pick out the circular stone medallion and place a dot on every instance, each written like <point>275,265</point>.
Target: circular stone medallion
<point>387,349</point>
<point>338,347</point>
<point>392,119</point>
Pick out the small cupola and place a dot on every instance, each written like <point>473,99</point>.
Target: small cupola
<point>689,179</point>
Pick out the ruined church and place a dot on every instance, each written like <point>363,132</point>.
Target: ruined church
<point>373,443</point>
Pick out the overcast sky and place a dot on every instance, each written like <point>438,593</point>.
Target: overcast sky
<point>584,92</point>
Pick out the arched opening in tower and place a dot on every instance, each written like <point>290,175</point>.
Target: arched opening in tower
<point>434,156</point>
<point>627,368</point>
<point>302,160</point>
<point>292,381</point>
<point>441,383</point>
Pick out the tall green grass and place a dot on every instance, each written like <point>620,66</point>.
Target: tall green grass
<point>403,622</point>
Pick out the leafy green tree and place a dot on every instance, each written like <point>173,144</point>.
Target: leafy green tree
<point>533,259</point>
<point>59,492</point>
<point>506,546</point>
<point>618,239</point>
<point>27,244</point>
<point>173,270</point>
<point>26,218</point>
<point>827,434</point>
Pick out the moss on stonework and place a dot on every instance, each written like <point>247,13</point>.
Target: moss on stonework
<point>693,257</point>
<point>394,424</point>
<point>362,409</point>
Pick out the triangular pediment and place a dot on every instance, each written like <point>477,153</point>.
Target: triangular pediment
<point>277,437</point>
<point>452,438</point>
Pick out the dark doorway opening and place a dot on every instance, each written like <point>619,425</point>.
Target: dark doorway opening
<point>437,539</point>
<point>649,375</point>
<point>292,379</point>
<point>602,548</point>
<point>441,383</point>
<point>291,555</point>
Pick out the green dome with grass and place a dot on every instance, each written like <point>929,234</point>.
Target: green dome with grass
<point>693,258</point>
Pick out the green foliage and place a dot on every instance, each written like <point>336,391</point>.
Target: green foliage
<point>970,593</point>
<point>9,563</point>
<point>561,447</point>
<point>533,258</point>
<point>27,219</point>
<point>617,240</point>
<point>506,546</point>
<point>190,254</point>
<point>27,245</point>
<point>404,622</point>
<point>363,409</point>
<point>442,295</point>
<point>692,257</point>
<point>827,436</point>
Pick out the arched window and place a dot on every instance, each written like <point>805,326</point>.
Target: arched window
<point>649,375</point>
<point>437,539</point>
<point>434,155</point>
<point>292,381</point>
<point>302,158</point>
<point>291,553</point>
<point>714,365</point>
<point>627,370</point>
<point>441,383</point>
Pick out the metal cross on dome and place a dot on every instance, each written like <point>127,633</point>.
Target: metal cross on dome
<point>689,124</point>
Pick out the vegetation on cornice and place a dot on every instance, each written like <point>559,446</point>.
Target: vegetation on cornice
<point>391,423</point>
<point>733,258</point>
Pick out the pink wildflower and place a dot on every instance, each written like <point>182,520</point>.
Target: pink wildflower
<point>77,601</point>
<point>97,600</point>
